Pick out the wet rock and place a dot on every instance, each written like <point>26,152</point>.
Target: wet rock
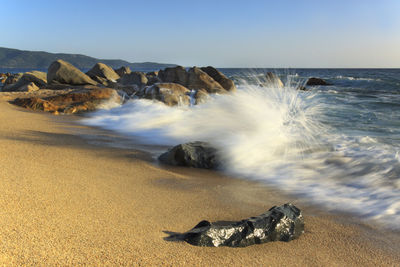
<point>273,80</point>
<point>76,101</point>
<point>62,72</point>
<point>134,78</point>
<point>194,154</point>
<point>122,71</point>
<point>169,93</point>
<point>219,77</point>
<point>198,79</point>
<point>283,223</point>
<point>102,73</point>
<point>152,78</point>
<point>201,96</point>
<point>316,81</point>
<point>302,88</point>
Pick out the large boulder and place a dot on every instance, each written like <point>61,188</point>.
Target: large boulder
<point>316,81</point>
<point>198,79</point>
<point>194,154</point>
<point>62,72</point>
<point>76,101</point>
<point>36,77</point>
<point>101,72</point>
<point>13,78</point>
<point>201,96</point>
<point>219,77</point>
<point>134,78</point>
<point>30,87</point>
<point>122,71</point>
<point>283,223</point>
<point>176,74</point>
<point>169,93</point>
<point>273,80</point>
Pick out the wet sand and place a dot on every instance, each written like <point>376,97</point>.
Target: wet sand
<point>64,201</point>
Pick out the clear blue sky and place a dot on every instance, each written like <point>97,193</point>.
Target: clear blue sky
<point>284,33</point>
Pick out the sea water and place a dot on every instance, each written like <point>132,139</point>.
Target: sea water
<point>336,145</point>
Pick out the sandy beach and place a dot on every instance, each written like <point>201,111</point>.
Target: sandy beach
<point>64,201</point>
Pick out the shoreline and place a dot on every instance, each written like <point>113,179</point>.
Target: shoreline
<point>68,202</point>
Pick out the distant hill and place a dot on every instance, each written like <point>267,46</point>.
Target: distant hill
<point>14,58</point>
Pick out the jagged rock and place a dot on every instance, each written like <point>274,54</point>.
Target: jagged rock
<point>36,77</point>
<point>219,77</point>
<point>152,73</point>
<point>102,74</point>
<point>316,81</point>
<point>152,78</point>
<point>273,80</point>
<point>137,78</point>
<point>176,74</point>
<point>194,154</point>
<point>198,79</point>
<point>76,101</point>
<point>283,223</point>
<point>62,72</point>
<point>169,93</point>
<point>122,71</point>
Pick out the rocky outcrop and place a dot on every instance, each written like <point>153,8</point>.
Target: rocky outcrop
<point>36,77</point>
<point>3,77</point>
<point>62,72</point>
<point>219,77</point>
<point>30,87</point>
<point>80,100</point>
<point>194,154</point>
<point>283,223</point>
<point>102,73</point>
<point>201,96</point>
<point>122,71</point>
<point>134,78</point>
<point>273,80</point>
<point>169,93</point>
<point>13,78</point>
<point>316,81</point>
<point>152,78</point>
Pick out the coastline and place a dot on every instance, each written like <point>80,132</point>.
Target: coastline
<point>68,202</point>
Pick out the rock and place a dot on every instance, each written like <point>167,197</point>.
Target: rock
<point>122,71</point>
<point>194,154</point>
<point>174,75</point>
<point>101,71</point>
<point>30,87</point>
<point>137,78</point>
<point>283,223</point>
<point>13,78</point>
<point>169,93</point>
<point>36,77</point>
<point>226,83</point>
<point>301,88</point>
<point>152,73</point>
<point>273,80</point>
<point>316,81</point>
<point>3,77</point>
<point>62,72</point>
<point>152,79</point>
<point>76,101</point>
<point>198,79</point>
<point>201,96</point>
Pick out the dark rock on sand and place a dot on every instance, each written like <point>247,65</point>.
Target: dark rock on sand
<point>219,77</point>
<point>102,73</point>
<point>169,93</point>
<point>283,223</point>
<point>62,72</point>
<point>316,81</point>
<point>79,100</point>
<point>134,78</point>
<point>195,154</point>
<point>122,71</point>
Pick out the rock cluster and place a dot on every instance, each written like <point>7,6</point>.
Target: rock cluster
<point>283,223</point>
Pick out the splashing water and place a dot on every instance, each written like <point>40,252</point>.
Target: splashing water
<point>275,135</point>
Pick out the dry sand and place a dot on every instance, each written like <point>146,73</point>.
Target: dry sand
<point>66,202</point>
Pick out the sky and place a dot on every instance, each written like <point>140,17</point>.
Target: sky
<point>247,33</point>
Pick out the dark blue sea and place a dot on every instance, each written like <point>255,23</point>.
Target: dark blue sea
<point>336,145</point>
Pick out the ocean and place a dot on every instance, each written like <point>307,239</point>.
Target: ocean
<point>337,146</point>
